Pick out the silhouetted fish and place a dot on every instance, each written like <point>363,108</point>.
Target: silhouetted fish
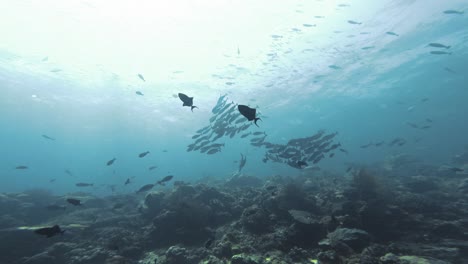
<point>187,101</point>
<point>141,77</point>
<point>110,162</point>
<point>165,179</point>
<point>83,184</point>
<point>208,243</point>
<point>127,181</point>
<point>438,45</point>
<point>354,22</point>
<point>73,201</point>
<point>141,155</point>
<point>454,12</point>
<point>139,93</point>
<point>49,231</point>
<point>47,137</point>
<point>152,167</point>
<point>437,52</point>
<point>68,172</point>
<point>392,33</point>
<point>22,167</point>
<point>249,113</point>
<point>145,188</point>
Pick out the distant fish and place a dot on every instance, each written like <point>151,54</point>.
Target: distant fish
<point>302,164</point>
<point>343,150</point>
<point>259,133</point>
<point>139,93</point>
<point>208,243</point>
<point>83,184</point>
<point>437,52</point>
<point>334,67</point>
<point>110,162</point>
<point>245,135</point>
<point>145,188</point>
<point>52,180</point>
<point>450,70</point>
<point>187,101</point>
<point>454,12</point>
<point>455,169</point>
<point>165,179</point>
<point>428,120</point>
<point>45,59</point>
<point>309,25</point>
<point>213,151</point>
<point>49,231</point>
<point>319,16</point>
<point>392,33</point>
<point>22,167</point>
<point>141,77</point>
<point>152,168</point>
<point>238,51</point>
<point>68,172</point>
<point>47,137</point>
<point>438,45</point>
<point>354,22</point>
<point>249,113</point>
<point>73,201</point>
<point>230,83</point>
<point>127,181</point>
<point>141,155</point>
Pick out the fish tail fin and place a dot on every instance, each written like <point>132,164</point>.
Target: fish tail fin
<point>256,119</point>
<point>193,106</point>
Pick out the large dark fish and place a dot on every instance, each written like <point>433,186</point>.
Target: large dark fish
<point>83,184</point>
<point>49,231</point>
<point>165,179</point>
<point>141,155</point>
<point>187,101</point>
<point>249,113</point>
<point>453,12</point>
<point>139,93</point>
<point>73,201</point>
<point>438,45</point>
<point>21,167</point>
<point>127,181</point>
<point>110,162</point>
<point>145,188</point>
<point>47,137</point>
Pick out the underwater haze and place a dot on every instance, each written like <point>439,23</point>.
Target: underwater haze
<point>243,132</point>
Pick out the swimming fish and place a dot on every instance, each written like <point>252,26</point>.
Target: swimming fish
<point>354,22</point>
<point>302,164</point>
<point>83,184</point>
<point>139,93</point>
<point>145,188</point>
<point>141,77</point>
<point>436,52</point>
<point>21,167</point>
<point>392,33</point>
<point>73,201</point>
<point>141,155</point>
<point>127,181</point>
<point>47,137</point>
<point>187,101</point>
<point>454,12</point>
<point>249,113</point>
<point>165,179</point>
<point>438,45</point>
<point>152,167</point>
<point>49,231</point>
<point>213,151</point>
<point>309,25</point>
<point>68,172</point>
<point>56,207</point>
<point>110,162</point>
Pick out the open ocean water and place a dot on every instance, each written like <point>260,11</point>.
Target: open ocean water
<point>233,131</point>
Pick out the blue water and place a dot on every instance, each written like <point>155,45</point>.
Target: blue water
<point>83,94</point>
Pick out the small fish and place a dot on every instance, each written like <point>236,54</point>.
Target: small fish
<point>83,184</point>
<point>55,207</point>
<point>141,155</point>
<point>47,137</point>
<point>309,25</point>
<point>187,101</point>
<point>426,127</point>
<point>392,33</point>
<point>68,172</point>
<point>249,113</point>
<point>245,135</point>
<point>127,181</point>
<point>302,164</point>
<point>213,151</point>
<point>437,52</point>
<point>334,67</point>
<point>139,93</point>
<point>331,155</point>
<point>454,12</point>
<point>165,179</point>
<point>152,168</point>
<point>438,45</point>
<point>52,180</point>
<point>110,162</point>
<point>45,59</point>
<point>118,206</point>
<point>354,22</point>
<point>450,70</point>
<point>141,77</point>
<point>238,51</point>
<point>145,188</point>
<point>22,167</point>
<point>343,150</point>
<point>455,169</point>
<point>49,231</point>
<point>259,133</point>
<point>428,120</point>
<point>230,83</point>
<point>73,201</point>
